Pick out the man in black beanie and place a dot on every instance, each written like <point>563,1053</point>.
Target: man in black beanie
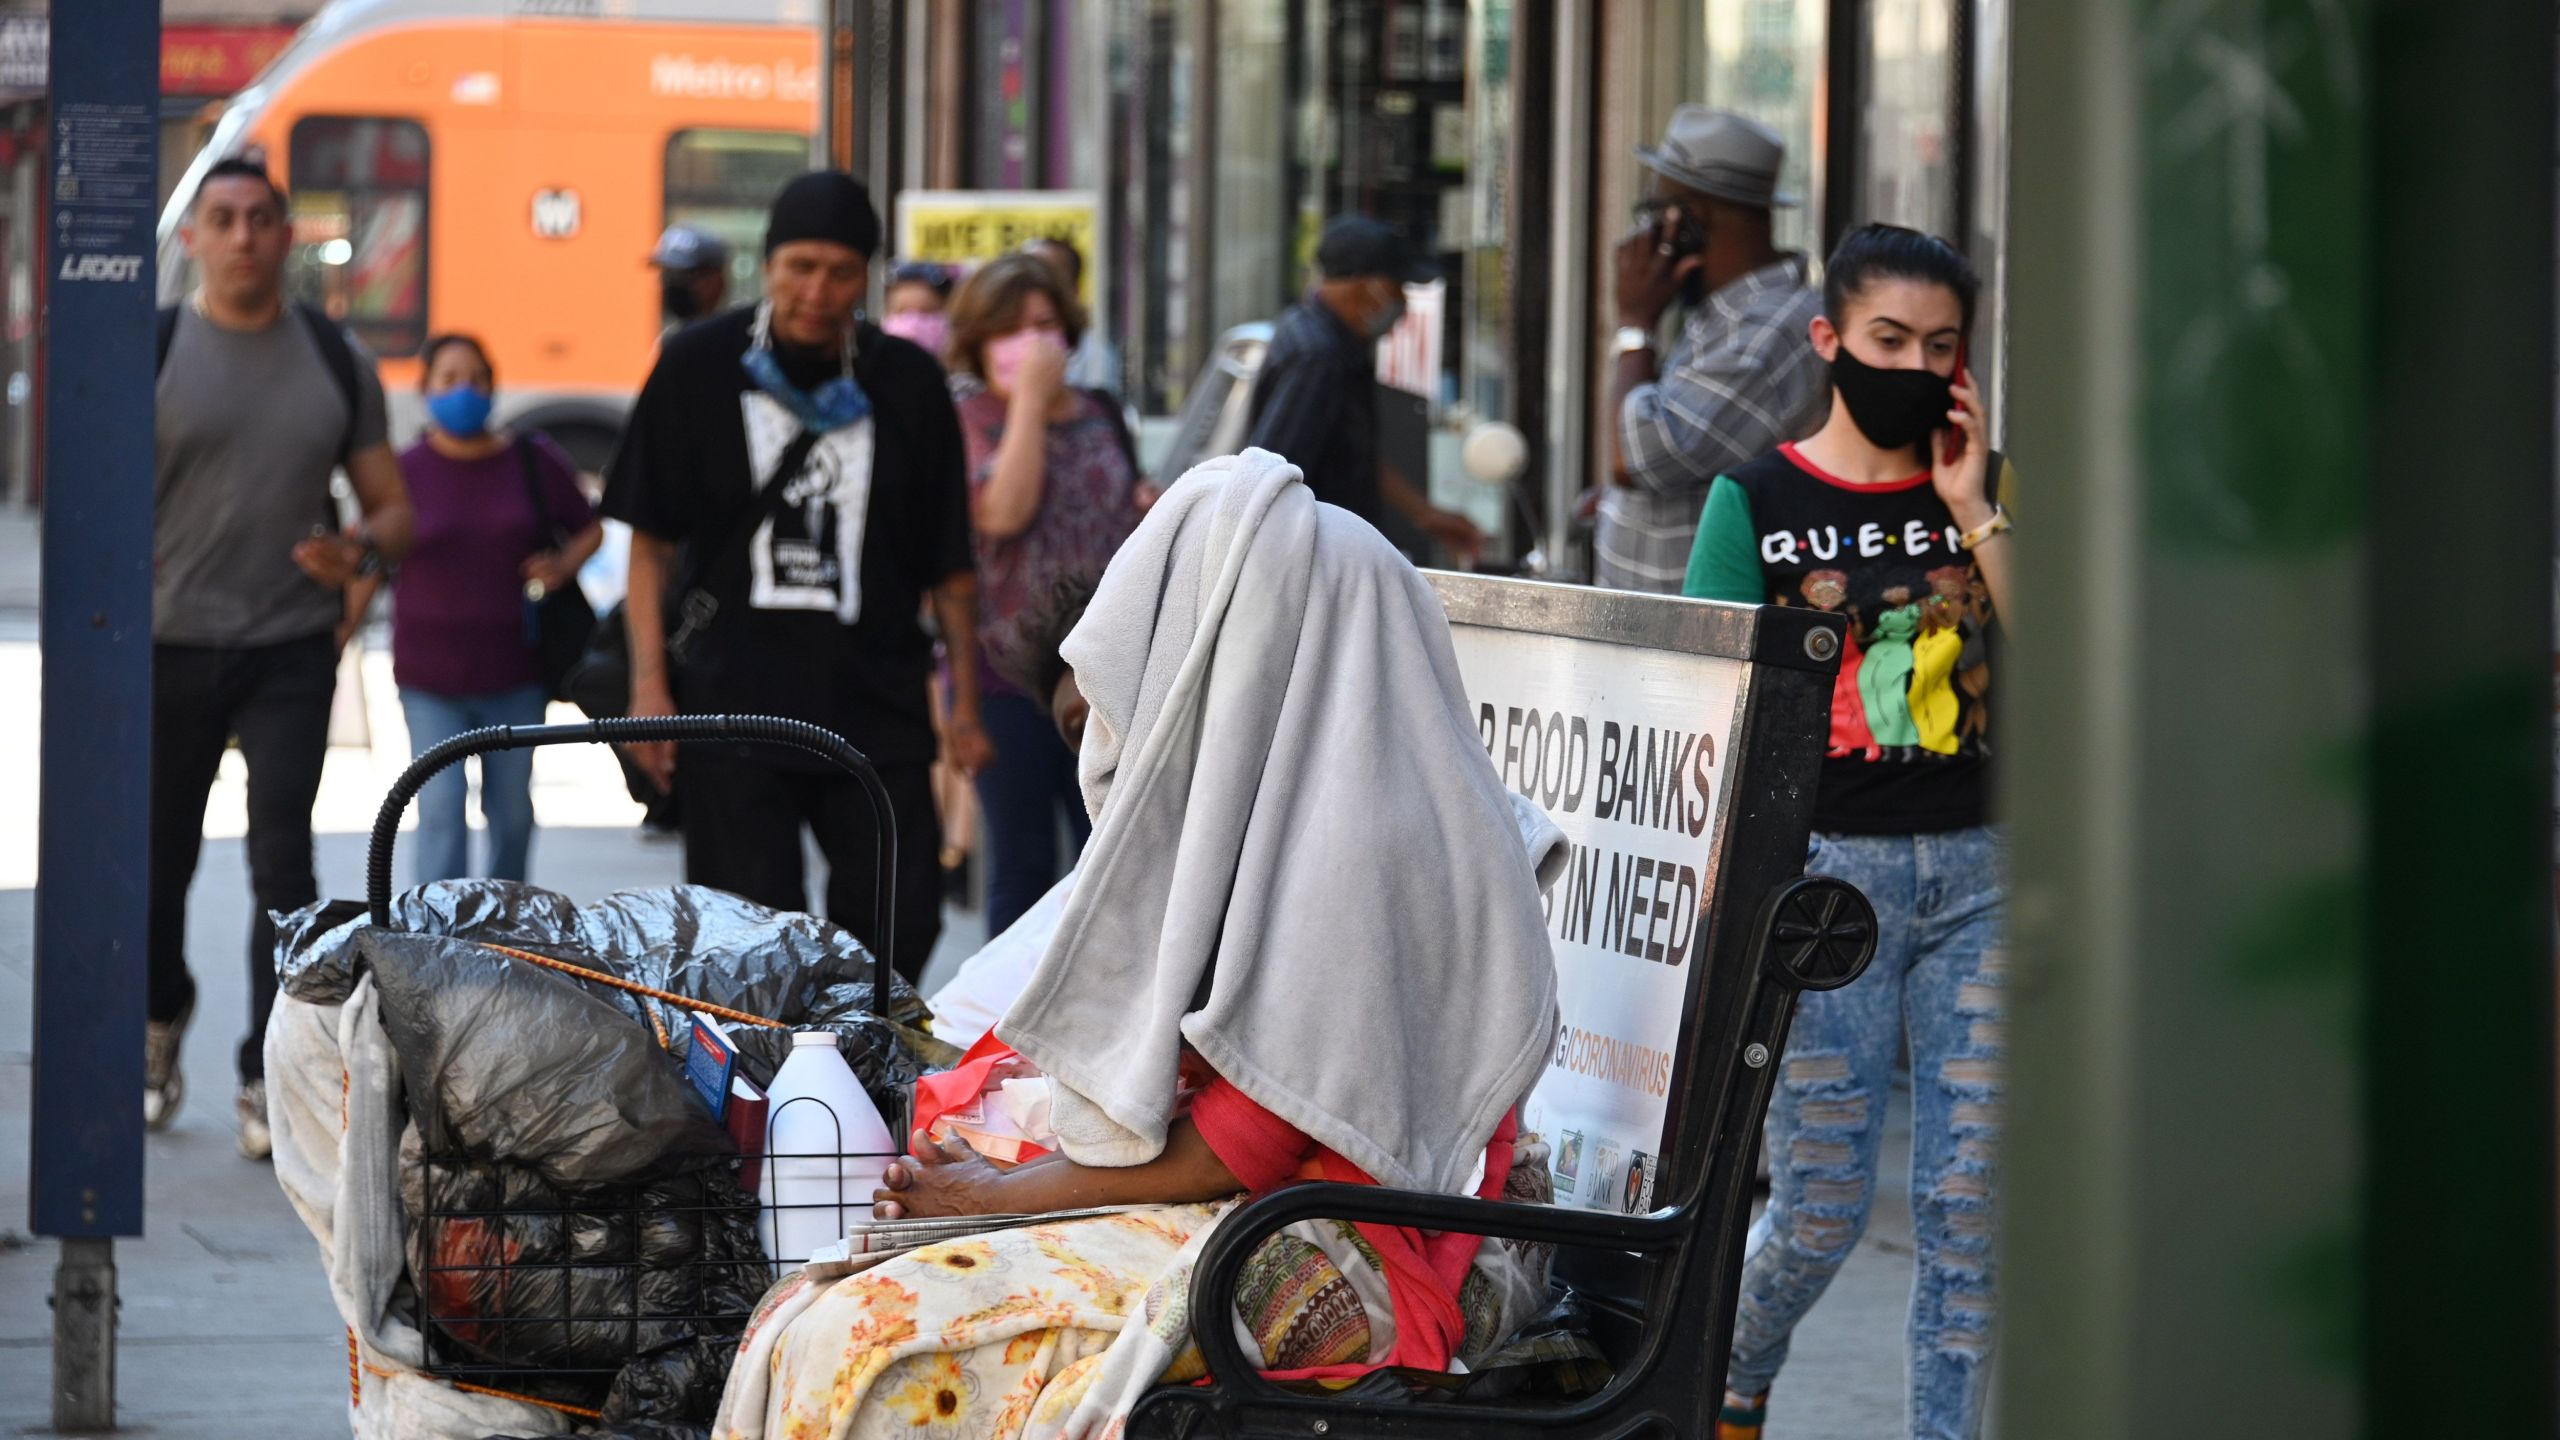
<point>795,487</point>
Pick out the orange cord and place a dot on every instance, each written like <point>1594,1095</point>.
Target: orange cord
<point>580,1411</point>
<point>355,1381</point>
<point>617,982</point>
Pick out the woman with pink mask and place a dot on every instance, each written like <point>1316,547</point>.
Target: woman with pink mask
<point>1054,489</point>
<point>913,309</point>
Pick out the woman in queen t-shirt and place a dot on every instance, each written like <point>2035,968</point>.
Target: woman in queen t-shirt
<point>1888,515</point>
<point>1053,491</point>
<point>462,640</point>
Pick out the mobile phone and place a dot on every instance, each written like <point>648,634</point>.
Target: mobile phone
<point>1688,237</point>
<point>1951,449</point>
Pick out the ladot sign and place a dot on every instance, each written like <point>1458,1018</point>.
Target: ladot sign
<point>967,228</point>
<point>1626,747</point>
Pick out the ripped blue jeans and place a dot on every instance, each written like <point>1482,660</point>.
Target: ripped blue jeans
<point>1937,979</point>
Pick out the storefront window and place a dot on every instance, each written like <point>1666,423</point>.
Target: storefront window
<point>722,182</point>
<point>1483,233</point>
<point>1397,85</point>
<point>360,227</point>
<point>1905,153</point>
<point>1253,207</point>
<point>1173,101</point>
<point>1765,59</point>
<point>1314,110</point>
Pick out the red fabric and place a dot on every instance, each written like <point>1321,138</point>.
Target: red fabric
<point>1424,1268</point>
<point>1259,1148</point>
<point>987,1064</point>
<point>1881,487</point>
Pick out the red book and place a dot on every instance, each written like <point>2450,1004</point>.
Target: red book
<point>745,1118</point>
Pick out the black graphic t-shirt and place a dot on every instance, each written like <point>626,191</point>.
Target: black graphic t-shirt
<point>823,625</point>
<point>1911,712</point>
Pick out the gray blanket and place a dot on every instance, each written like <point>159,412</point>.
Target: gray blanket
<point>1303,863</point>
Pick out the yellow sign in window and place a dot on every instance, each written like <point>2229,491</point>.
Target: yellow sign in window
<point>967,228</point>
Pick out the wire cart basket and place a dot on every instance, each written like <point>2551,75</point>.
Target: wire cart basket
<point>522,1288</point>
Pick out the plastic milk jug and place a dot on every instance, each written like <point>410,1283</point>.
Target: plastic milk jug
<point>825,1148</point>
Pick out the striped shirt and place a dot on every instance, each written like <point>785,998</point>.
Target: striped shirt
<point>1742,378</point>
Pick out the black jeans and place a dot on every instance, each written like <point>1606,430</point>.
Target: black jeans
<point>743,815</point>
<point>274,699</point>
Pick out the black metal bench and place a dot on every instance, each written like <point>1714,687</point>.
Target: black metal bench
<point>1660,1287</point>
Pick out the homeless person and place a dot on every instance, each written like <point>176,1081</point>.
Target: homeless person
<point>1306,941</point>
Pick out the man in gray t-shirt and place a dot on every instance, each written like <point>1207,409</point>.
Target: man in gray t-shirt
<point>255,589</point>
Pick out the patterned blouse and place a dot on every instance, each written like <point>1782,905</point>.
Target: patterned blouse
<point>1088,505</point>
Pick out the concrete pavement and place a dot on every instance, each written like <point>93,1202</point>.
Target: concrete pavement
<point>227,1326</point>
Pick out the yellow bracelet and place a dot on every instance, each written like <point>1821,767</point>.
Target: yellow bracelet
<point>1998,524</point>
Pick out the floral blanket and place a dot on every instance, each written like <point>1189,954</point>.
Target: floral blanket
<point>1053,1332</point>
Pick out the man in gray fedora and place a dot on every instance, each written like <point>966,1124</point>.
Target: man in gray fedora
<point>1741,377</point>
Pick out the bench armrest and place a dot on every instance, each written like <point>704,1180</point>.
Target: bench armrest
<point>1214,1279</point>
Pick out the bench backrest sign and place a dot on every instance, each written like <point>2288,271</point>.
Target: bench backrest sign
<point>1626,746</point>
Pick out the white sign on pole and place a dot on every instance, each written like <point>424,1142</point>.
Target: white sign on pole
<point>1627,748</point>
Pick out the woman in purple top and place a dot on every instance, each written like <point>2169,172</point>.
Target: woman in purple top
<point>462,639</point>
<point>1053,490</point>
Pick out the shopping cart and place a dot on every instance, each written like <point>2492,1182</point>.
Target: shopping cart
<point>507,1275</point>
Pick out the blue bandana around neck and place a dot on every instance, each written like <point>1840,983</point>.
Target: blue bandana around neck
<point>838,403</point>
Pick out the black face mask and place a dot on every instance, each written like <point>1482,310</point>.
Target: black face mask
<point>676,297</point>
<point>1896,409</point>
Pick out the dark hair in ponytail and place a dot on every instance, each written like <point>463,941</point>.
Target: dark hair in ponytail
<point>1894,252</point>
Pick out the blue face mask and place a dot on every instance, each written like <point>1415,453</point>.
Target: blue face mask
<point>839,402</point>
<point>461,412</point>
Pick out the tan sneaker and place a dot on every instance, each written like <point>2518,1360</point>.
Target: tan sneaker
<point>164,1080</point>
<point>256,1141</point>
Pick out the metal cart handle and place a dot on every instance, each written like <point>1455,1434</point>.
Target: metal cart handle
<point>684,730</point>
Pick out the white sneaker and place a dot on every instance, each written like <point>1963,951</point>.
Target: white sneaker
<point>256,1141</point>
<point>164,1080</point>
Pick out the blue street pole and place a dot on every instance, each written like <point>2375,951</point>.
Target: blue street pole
<point>93,833</point>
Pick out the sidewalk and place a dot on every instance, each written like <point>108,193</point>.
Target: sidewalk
<point>19,538</point>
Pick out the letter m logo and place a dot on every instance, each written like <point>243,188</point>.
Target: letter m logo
<point>555,214</point>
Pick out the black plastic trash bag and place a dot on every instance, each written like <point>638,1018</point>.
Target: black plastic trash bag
<point>505,1060</point>
<point>707,945</point>
<point>674,1382</point>
<point>499,1278</point>
<point>711,945</point>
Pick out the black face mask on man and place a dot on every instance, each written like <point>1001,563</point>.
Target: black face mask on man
<point>676,297</point>
<point>1391,310</point>
<point>1896,409</point>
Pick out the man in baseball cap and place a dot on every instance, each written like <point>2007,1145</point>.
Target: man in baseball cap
<point>796,491</point>
<point>1741,377</point>
<point>693,274</point>
<point>1315,395</point>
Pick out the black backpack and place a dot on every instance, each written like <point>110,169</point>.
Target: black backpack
<point>336,352</point>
